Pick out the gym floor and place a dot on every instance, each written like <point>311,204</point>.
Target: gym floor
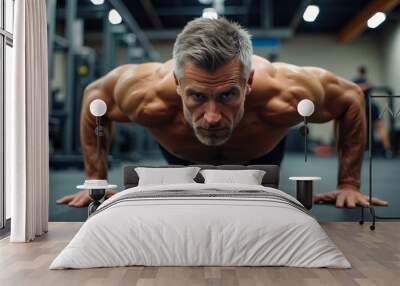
<point>385,185</point>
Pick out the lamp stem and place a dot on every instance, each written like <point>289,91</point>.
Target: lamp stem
<point>305,139</point>
<point>97,138</point>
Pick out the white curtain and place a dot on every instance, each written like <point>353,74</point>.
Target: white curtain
<point>27,124</point>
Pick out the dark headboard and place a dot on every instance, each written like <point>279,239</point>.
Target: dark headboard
<point>271,177</point>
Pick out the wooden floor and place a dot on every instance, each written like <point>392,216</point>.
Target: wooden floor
<point>375,256</point>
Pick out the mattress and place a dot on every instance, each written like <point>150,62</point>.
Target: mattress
<point>201,225</point>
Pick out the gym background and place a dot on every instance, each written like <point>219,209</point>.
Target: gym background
<point>88,38</point>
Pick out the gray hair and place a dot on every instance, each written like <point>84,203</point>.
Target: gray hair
<point>211,43</point>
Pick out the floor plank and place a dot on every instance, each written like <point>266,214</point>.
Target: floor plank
<point>374,255</point>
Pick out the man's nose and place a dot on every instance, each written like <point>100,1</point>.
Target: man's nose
<point>212,115</point>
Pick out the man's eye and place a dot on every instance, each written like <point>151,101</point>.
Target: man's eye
<point>226,95</point>
<point>197,96</point>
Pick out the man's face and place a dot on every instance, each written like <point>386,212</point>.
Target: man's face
<point>213,103</point>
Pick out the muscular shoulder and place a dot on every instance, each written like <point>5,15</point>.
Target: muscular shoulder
<point>281,86</point>
<point>337,93</point>
<point>135,77</point>
<point>146,92</point>
<point>286,80</point>
<point>108,82</point>
<point>300,82</point>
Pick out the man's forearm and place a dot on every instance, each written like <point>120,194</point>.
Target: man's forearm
<point>351,144</point>
<point>104,89</point>
<point>95,167</point>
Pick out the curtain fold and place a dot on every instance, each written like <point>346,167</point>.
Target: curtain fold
<point>27,124</point>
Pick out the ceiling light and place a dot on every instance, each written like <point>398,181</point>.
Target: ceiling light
<point>311,13</point>
<point>114,17</point>
<point>210,13</point>
<point>376,20</point>
<point>97,2</point>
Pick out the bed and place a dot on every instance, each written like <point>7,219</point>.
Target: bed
<point>198,224</point>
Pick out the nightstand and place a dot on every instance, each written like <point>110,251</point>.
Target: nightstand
<point>304,190</point>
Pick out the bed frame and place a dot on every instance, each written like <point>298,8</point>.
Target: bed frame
<point>270,179</point>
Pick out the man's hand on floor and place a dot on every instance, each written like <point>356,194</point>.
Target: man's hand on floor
<point>80,199</point>
<point>348,198</point>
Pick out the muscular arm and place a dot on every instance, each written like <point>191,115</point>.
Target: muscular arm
<point>131,95</point>
<point>350,130</point>
<point>96,168</point>
<point>343,101</point>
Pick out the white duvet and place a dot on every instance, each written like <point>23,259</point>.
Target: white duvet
<point>206,230</point>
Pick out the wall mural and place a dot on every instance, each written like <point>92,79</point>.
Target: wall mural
<point>211,101</point>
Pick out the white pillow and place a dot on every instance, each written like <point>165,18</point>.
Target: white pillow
<point>248,177</point>
<point>163,176</point>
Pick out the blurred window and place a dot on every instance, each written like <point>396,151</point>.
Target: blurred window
<point>6,66</point>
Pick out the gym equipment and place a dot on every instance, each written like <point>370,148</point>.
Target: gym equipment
<point>371,208</point>
<point>82,66</point>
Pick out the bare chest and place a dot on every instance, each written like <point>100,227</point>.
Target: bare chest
<point>250,140</point>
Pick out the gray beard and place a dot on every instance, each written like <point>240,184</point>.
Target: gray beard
<point>210,141</point>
